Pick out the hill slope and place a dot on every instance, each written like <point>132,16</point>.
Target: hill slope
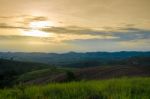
<point>95,73</point>
<point>9,70</point>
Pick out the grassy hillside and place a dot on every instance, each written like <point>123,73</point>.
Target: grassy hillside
<point>124,88</point>
<point>43,75</point>
<point>10,70</point>
<point>14,72</point>
<point>107,72</point>
<point>19,67</point>
<point>91,73</point>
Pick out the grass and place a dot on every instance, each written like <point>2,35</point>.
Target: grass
<point>42,73</point>
<point>38,73</point>
<point>123,88</point>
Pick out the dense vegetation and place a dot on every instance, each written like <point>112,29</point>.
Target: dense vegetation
<point>10,70</point>
<point>124,88</point>
<point>49,74</point>
<point>14,72</point>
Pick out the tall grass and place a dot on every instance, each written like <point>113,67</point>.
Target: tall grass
<point>124,88</point>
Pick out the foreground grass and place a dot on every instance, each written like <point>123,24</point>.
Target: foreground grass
<point>124,88</point>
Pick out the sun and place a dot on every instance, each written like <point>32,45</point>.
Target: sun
<point>36,33</point>
<point>40,24</point>
<point>35,29</point>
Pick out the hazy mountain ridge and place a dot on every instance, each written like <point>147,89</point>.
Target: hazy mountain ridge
<point>77,59</point>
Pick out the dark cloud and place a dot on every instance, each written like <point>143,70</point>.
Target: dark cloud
<point>125,33</point>
<point>14,37</point>
<point>22,24</point>
<point>121,33</point>
<point>6,26</point>
<point>15,16</point>
<point>38,18</point>
<point>132,34</point>
<point>73,30</point>
<point>26,19</point>
<point>23,38</point>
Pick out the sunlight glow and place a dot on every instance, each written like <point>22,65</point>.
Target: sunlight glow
<point>35,29</point>
<point>40,24</point>
<point>36,33</point>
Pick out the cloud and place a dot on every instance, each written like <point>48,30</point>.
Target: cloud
<point>23,38</point>
<point>119,33</point>
<point>127,32</point>
<point>76,31</point>
<point>37,18</point>
<point>30,17</point>
<point>6,26</point>
<point>16,37</point>
<point>23,24</point>
<point>20,20</point>
<point>132,34</point>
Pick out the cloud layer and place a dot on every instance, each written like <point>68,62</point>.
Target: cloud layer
<point>127,32</point>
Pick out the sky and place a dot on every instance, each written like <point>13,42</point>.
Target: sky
<point>74,25</point>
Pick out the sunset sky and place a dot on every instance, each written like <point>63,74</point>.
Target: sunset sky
<point>74,25</point>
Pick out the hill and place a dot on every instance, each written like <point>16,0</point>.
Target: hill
<point>74,59</point>
<point>93,73</point>
<point>9,70</point>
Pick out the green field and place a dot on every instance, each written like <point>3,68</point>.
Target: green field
<point>123,88</point>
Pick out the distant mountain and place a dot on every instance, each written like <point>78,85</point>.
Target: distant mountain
<point>73,59</point>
